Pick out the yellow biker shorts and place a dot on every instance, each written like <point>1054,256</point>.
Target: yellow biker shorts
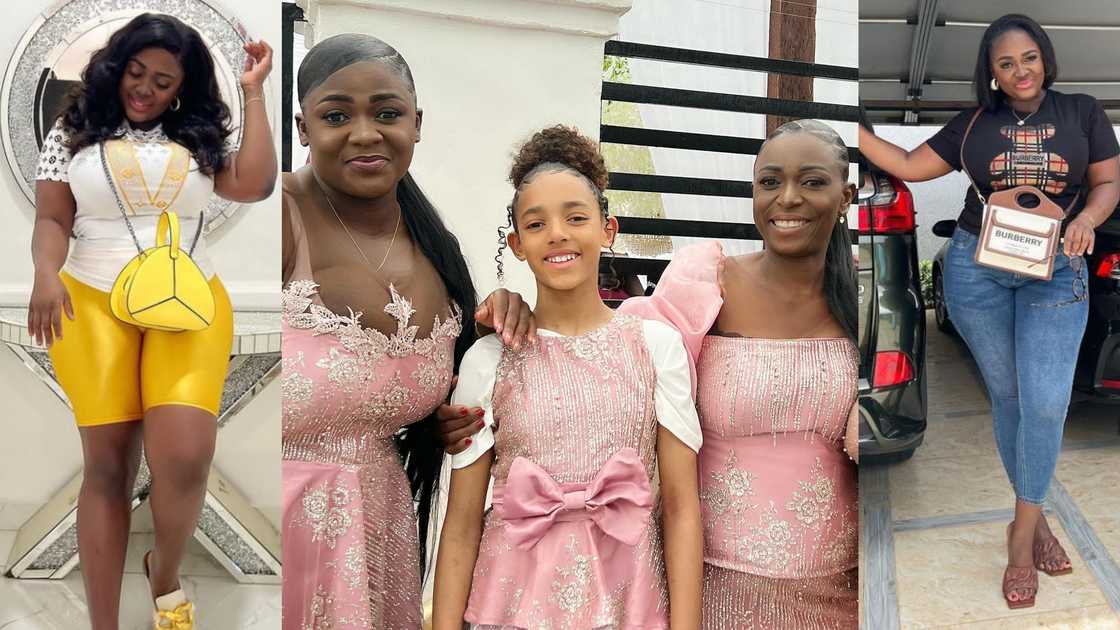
<point>114,372</point>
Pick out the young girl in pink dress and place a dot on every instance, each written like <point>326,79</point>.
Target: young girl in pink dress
<point>772,335</point>
<point>596,518</point>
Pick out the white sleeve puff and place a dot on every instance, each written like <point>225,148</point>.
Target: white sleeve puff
<point>477,375</point>
<point>672,395</point>
<point>54,158</point>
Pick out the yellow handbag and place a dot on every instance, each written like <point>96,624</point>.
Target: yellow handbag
<point>161,287</point>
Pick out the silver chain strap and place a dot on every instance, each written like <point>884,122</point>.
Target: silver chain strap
<point>120,206</point>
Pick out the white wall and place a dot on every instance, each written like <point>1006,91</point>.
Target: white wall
<point>488,74</point>
<point>39,446</point>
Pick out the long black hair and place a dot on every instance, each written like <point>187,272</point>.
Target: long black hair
<point>420,447</point>
<point>201,124</point>
<point>840,286</point>
<point>991,99</point>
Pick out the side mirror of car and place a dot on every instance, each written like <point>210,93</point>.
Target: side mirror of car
<point>945,227</point>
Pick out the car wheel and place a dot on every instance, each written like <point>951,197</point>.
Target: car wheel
<point>940,310</point>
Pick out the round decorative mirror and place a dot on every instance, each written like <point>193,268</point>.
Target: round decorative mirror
<point>54,50</point>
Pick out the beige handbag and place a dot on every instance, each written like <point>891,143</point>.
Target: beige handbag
<point>1021,226</point>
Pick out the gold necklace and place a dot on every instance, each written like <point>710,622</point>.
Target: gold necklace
<point>362,253</point>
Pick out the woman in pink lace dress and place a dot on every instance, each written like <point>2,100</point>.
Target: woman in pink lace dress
<point>772,335</point>
<point>375,289</point>
<point>596,518</point>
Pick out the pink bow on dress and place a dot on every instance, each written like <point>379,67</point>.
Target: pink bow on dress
<point>618,500</point>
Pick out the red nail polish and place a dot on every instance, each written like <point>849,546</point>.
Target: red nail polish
<point>469,441</point>
<point>480,413</point>
<point>480,424</point>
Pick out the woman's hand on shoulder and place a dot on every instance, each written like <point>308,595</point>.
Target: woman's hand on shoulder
<point>506,313</point>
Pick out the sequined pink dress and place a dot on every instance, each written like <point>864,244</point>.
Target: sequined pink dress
<point>778,493</point>
<point>577,420</point>
<point>351,554</point>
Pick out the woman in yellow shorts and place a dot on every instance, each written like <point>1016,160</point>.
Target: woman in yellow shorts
<point>151,95</point>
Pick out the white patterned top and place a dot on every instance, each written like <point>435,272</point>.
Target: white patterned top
<point>103,245</point>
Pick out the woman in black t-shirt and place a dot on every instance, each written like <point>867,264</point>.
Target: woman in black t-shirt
<point>1024,333</point>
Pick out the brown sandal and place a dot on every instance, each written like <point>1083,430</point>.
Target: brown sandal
<point>1050,552</point>
<point>1019,579</point>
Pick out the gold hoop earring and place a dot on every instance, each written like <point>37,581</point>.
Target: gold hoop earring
<point>995,86</point>
<point>176,105</point>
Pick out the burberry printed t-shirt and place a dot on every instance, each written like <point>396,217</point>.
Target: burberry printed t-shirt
<point>1051,150</point>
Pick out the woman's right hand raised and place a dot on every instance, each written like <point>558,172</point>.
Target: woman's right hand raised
<point>49,298</point>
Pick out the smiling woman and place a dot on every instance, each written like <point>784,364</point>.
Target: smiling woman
<point>147,111</point>
<point>364,252</point>
<point>1023,330</point>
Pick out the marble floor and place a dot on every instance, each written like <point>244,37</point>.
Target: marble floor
<point>934,526</point>
<point>221,603</point>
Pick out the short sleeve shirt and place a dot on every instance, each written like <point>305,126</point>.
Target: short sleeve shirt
<point>1051,150</point>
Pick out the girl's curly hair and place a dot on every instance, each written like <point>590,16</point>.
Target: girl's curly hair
<point>201,123</point>
<point>559,146</point>
<point>553,150</point>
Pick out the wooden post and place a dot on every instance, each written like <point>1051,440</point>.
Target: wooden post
<point>793,36</point>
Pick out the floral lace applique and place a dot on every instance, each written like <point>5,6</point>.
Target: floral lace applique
<point>300,311</point>
<point>295,387</point>
<point>774,545</point>
<point>728,496</point>
<point>813,500</point>
<point>327,512</point>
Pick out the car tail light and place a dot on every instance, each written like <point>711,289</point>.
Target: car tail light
<point>892,368</point>
<point>1110,383</point>
<point>886,206</point>
<point>1109,267</point>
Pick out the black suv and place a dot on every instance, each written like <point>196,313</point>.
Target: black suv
<point>892,323</point>
<point>1098,364</point>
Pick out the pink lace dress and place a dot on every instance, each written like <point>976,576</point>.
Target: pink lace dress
<point>574,539</point>
<point>778,494</point>
<point>351,554</point>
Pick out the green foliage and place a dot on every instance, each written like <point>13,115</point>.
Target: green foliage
<point>925,277</point>
<point>616,69</point>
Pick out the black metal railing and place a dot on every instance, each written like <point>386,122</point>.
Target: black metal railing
<point>289,14</point>
<point>655,95</point>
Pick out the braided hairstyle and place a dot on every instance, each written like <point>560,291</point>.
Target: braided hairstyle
<point>556,149</point>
